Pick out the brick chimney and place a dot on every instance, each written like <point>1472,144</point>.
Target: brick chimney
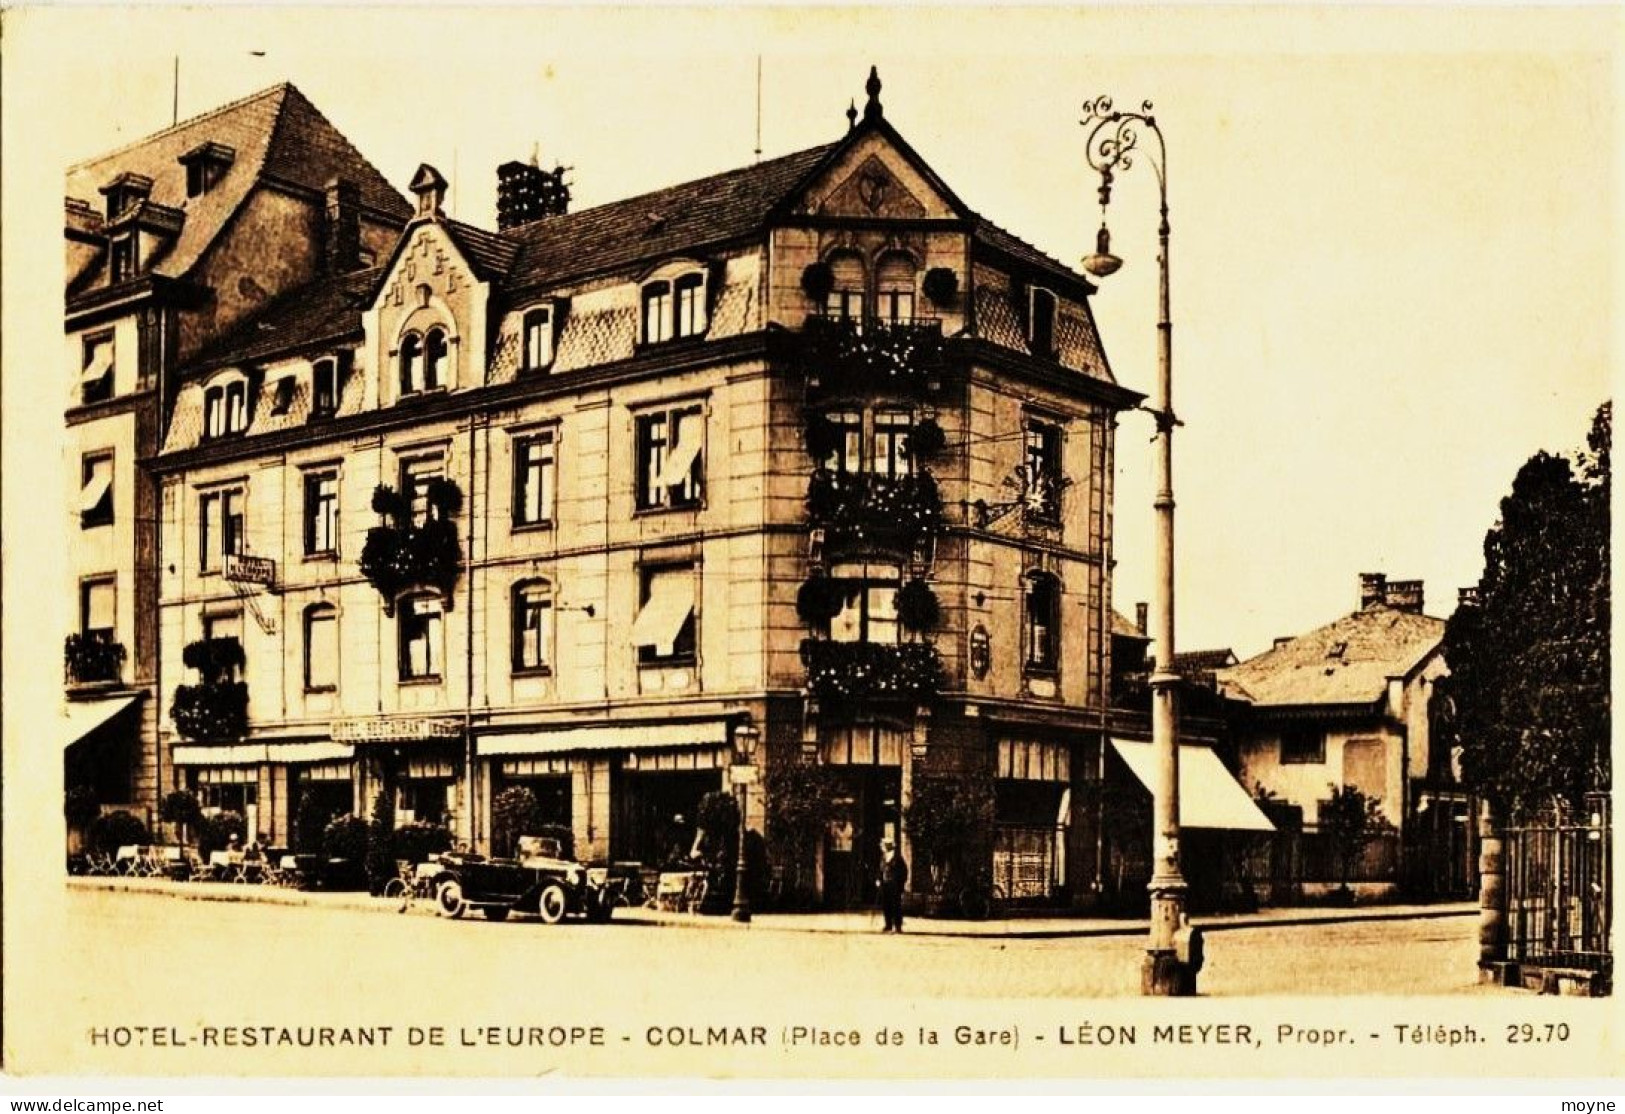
<point>1372,588</point>
<point>1141,616</point>
<point>1467,597</point>
<point>1404,595</point>
<point>527,193</point>
<point>341,234</point>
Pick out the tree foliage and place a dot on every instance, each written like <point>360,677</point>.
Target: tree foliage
<point>1348,818</point>
<point>514,812</point>
<point>1527,696</point>
<point>949,817</point>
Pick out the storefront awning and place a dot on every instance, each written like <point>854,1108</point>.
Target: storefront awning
<point>84,716</point>
<point>252,754</point>
<point>648,736</point>
<point>1209,797</point>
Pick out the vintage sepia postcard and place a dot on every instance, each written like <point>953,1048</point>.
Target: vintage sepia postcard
<point>640,543</point>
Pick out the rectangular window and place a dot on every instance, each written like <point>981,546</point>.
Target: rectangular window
<point>321,649</point>
<point>657,312</point>
<point>1041,322</point>
<point>214,412</point>
<point>420,638</point>
<point>98,607</point>
<point>869,604</point>
<point>220,526</point>
<point>123,261</point>
<point>534,477</point>
<point>96,374</point>
<point>847,455</point>
<point>1303,746</point>
<point>424,800</point>
<point>96,494</point>
<point>690,320</point>
<point>416,475</point>
<point>671,464</point>
<point>321,512</point>
<point>236,406</point>
<point>666,631</point>
<point>1043,607</point>
<point>221,625</point>
<point>538,329</point>
<point>532,627</point>
<point>1041,496</point>
<point>324,398</point>
<point>891,442</point>
<point>896,306</point>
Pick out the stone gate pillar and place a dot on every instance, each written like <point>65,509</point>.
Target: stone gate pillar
<point>1492,911</point>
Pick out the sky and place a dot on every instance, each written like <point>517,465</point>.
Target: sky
<point>1395,232</point>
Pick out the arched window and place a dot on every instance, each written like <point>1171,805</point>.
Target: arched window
<point>845,300</point>
<point>532,626</point>
<point>1042,623</point>
<point>411,364</point>
<point>418,626</point>
<point>894,288</point>
<point>434,359</point>
<point>321,648</point>
<point>538,338</point>
<point>690,308</point>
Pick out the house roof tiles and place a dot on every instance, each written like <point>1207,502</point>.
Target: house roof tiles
<point>1349,661</point>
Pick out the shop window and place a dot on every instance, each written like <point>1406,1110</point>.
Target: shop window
<point>96,374</point>
<point>424,801</point>
<point>321,648</point>
<point>535,468</point>
<point>417,473</point>
<point>538,338</point>
<point>1042,620</point>
<point>238,797</point>
<point>671,458</point>
<point>1041,322</point>
<point>420,636</point>
<point>220,526</point>
<point>868,604</point>
<point>1041,474</point>
<point>845,301</point>
<point>666,629</point>
<point>98,611</point>
<point>532,626</point>
<point>1303,746</point>
<point>891,442</point>
<point>894,289</point>
<point>96,492</point>
<point>322,513</point>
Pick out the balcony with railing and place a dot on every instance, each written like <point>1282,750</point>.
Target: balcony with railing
<point>859,508</point>
<point>843,356</point>
<point>93,658</point>
<point>909,671</point>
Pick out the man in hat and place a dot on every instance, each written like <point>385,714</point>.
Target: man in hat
<point>893,877</point>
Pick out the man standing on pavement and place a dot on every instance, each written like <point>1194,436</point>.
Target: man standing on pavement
<point>893,877</point>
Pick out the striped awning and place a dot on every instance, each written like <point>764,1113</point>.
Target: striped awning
<point>631,737</point>
<point>253,754</point>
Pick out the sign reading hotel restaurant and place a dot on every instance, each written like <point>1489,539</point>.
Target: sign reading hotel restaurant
<point>388,729</point>
<point>249,570</point>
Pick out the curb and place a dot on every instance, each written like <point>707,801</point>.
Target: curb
<point>271,895</point>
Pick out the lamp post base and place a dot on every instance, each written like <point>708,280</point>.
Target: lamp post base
<point>741,913</point>
<point>1164,975</point>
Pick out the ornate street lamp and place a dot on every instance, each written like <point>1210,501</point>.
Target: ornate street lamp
<point>742,773</point>
<point>1172,958</point>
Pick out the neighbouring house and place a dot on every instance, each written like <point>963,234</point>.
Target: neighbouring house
<point>171,241</point>
<point>1351,704</point>
<point>808,452</point>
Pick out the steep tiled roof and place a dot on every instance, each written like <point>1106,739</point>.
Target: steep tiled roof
<point>1345,662</point>
<point>489,253</point>
<point>707,211</point>
<point>1203,661</point>
<point>1124,627</point>
<point>276,133</point>
<point>328,309</point>
<point>1013,245</point>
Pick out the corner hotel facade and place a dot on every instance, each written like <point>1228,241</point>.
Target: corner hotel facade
<point>623,398</point>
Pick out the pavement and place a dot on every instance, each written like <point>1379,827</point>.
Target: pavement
<point>1033,928</point>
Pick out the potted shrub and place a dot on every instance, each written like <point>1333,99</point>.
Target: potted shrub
<point>514,812</point>
<point>818,600</point>
<point>926,441</point>
<point>817,282</point>
<point>181,809</point>
<point>116,829</point>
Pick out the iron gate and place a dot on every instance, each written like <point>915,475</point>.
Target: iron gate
<point>1559,866</point>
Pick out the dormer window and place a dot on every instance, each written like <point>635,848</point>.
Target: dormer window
<point>205,166</point>
<point>324,386</point>
<point>125,192</point>
<point>282,395</point>
<point>538,338</point>
<point>423,361</point>
<point>1041,322</point>
<point>674,308</point>
<point>123,258</point>
<point>225,409</point>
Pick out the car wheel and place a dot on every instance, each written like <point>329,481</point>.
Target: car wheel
<point>394,889</point>
<point>448,897</point>
<point>496,912</point>
<point>552,903</point>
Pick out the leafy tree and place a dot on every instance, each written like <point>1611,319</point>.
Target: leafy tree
<point>80,807</point>
<point>1348,819</point>
<point>116,829</point>
<point>514,812</point>
<point>1527,699</point>
<point>381,842</point>
<point>800,806</point>
<point>949,818</point>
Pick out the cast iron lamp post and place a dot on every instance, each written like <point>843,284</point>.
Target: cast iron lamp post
<point>1170,968</point>
<point>746,736</point>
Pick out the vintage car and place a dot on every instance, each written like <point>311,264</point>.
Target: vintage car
<point>551,888</point>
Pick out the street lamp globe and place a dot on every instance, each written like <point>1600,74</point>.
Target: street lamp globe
<point>1102,262</point>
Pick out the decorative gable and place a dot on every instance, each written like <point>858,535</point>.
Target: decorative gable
<point>876,177</point>
<point>426,328</point>
<point>872,191</point>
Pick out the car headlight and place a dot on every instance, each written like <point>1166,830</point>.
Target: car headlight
<point>598,876</point>
<point>574,876</point>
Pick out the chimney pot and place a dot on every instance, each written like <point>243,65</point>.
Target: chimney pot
<point>529,193</point>
<point>1467,597</point>
<point>341,246</point>
<point>1372,588</point>
<point>1404,595</point>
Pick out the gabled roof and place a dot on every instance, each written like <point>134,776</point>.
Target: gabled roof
<point>683,217</point>
<point>1124,627</point>
<point>490,254</point>
<point>275,134</point>
<point>327,310</point>
<point>1349,661</point>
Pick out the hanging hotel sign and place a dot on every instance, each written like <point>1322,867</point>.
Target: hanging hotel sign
<point>394,729</point>
<point>246,569</point>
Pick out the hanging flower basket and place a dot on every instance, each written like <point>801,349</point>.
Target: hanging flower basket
<point>917,607</point>
<point>818,600</point>
<point>817,282</point>
<point>400,554</point>
<point>926,441</point>
<point>823,437</point>
<point>941,286</point>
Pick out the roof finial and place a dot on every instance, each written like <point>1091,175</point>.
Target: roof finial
<point>872,110</point>
<point>851,115</point>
